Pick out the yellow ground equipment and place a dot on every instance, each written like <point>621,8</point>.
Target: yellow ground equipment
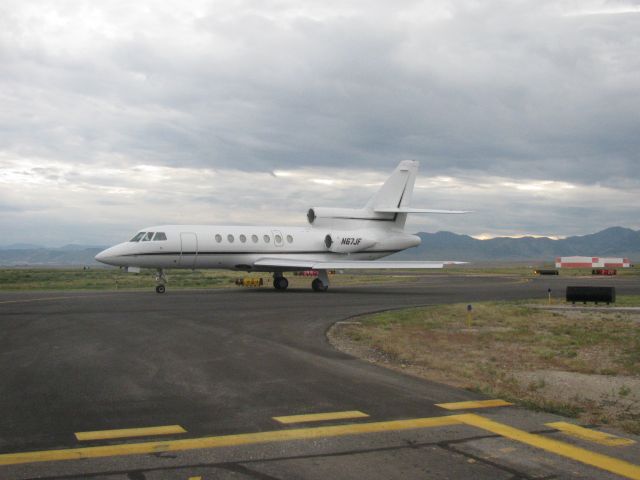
<point>250,282</point>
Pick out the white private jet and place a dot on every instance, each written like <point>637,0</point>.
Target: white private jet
<point>336,238</point>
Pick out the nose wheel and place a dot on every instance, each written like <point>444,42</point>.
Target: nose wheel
<point>161,279</point>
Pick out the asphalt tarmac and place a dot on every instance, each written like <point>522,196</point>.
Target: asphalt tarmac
<point>215,367</point>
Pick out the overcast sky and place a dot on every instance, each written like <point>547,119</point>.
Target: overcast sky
<point>116,115</point>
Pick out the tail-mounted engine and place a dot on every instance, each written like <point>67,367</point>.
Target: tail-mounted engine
<point>327,217</point>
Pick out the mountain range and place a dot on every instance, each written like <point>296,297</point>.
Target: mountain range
<point>613,242</point>
<point>25,255</point>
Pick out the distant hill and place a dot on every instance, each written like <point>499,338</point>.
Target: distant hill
<point>30,255</point>
<point>20,246</point>
<point>614,241</point>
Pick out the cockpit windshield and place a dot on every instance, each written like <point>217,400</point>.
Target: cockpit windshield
<point>146,236</point>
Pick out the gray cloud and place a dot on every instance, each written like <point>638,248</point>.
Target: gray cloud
<point>496,91</point>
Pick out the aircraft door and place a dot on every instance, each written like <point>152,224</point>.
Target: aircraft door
<point>278,240</point>
<point>188,249</point>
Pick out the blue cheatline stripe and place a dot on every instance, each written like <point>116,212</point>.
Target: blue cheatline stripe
<point>306,252</point>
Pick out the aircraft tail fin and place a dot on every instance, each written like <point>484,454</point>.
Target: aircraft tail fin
<point>396,192</point>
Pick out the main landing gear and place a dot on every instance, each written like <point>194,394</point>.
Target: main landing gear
<point>161,279</point>
<point>279,282</point>
<point>321,284</point>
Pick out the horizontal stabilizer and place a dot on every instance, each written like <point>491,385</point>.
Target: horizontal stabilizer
<point>418,210</point>
<point>348,264</point>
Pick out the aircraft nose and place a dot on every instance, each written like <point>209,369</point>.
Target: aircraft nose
<point>104,255</point>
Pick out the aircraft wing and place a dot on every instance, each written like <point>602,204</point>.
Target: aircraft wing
<point>348,264</point>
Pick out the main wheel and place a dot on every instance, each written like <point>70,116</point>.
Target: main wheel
<point>160,289</point>
<point>280,283</point>
<point>318,286</point>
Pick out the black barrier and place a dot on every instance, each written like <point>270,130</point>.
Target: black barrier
<point>591,294</point>
<point>546,272</point>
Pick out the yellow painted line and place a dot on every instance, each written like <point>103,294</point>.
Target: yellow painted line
<point>130,432</point>
<point>604,462</point>
<point>591,435</point>
<point>195,478</point>
<point>474,404</point>
<point>319,417</point>
<point>42,299</point>
<point>223,441</point>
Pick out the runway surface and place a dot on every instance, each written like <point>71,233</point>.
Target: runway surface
<point>218,365</point>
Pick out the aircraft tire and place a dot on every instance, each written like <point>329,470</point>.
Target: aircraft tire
<point>280,283</point>
<point>318,286</point>
<point>160,289</point>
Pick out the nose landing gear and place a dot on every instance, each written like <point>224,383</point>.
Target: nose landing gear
<point>161,279</point>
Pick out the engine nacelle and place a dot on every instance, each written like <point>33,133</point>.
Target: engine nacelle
<point>322,216</point>
<point>347,242</point>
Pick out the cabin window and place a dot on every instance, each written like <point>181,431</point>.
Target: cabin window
<point>159,236</point>
<point>138,236</point>
<point>230,238</point>
<point>218,237</point>
<point>254,238</point>
<point>289,239</point>
<point>278,239</point>
<point>266,238</point>
<point>147,237</point>
<point>243,238</point>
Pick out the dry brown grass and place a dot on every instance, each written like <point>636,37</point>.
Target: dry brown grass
<point>516,352</point>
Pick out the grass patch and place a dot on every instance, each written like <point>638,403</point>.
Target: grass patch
<point>113,278</point>
<point>107,279</point>
<point>515,351</point>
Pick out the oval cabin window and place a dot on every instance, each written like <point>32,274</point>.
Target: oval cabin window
<point>267,239</point>
<point>218,238</point>
<point>230,238</point>
<point>289,239</point>
<point>254,238</point>
<point>243,238</point>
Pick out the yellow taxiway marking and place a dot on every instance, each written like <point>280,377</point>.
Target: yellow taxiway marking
<point>130,432</point>
<point>68,297</point>
<point>195,478</point>
<point>222,441</point>
<point>590,435</point>
<point>319,417</point>
<point>474,404</point>
<point>41,299</point>
<point>604,462</point>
